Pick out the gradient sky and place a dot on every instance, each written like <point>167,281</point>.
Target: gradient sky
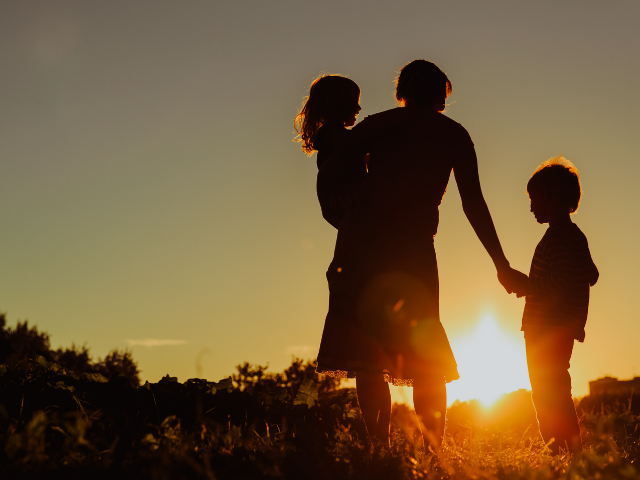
<point>150,188</point>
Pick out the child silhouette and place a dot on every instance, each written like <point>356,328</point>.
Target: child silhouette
<point>557,300</point>
<point>322,123</point>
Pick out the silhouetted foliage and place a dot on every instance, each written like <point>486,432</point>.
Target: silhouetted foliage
<point>608,404</point>
<point>76,359</point>
<point>256,379</point>
<point>259,426</point>
<point>119,362</point>
<point>20,345</point>
<point>58,422</point>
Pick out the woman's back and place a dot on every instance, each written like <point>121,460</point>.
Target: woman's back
<point>412,153</point>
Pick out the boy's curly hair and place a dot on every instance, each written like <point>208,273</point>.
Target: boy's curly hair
<point>558,176</point>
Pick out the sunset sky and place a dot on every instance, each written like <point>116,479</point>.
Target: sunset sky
<point>151,196</point>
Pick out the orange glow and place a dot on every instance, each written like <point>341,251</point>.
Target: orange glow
<point>398,305</point>
<point>491,363</point>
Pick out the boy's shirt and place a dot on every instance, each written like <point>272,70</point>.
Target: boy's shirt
<point>561,274</point>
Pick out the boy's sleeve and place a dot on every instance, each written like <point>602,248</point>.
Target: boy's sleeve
<point>556,254</point>
<point>568,267</point>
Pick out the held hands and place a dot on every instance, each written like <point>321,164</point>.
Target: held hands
<point>513,281</point>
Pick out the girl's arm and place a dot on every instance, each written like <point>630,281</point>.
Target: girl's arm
<point>350,154</point>
<point>335,170</point>
<point>332,216</point>
<point>332,139</point>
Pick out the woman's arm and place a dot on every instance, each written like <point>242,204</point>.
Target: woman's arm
<point>476,210</point>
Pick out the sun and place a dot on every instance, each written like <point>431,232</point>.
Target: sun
<point>491,362</point>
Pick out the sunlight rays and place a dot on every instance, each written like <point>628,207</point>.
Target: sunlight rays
<point>491,362</point>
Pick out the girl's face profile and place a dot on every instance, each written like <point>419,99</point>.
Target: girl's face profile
<point>351,119</point>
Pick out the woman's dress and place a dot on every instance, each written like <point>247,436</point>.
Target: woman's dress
<point>384,318</point>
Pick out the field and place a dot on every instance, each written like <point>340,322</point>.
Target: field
<point>291,425</point>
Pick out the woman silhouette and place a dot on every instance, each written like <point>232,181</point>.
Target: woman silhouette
<point>383,324</point>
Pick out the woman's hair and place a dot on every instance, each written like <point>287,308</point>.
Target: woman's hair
<point>422,83</point>
<point>558,176</point>
<point>331,100</point>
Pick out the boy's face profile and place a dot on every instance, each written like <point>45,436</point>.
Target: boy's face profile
<point>539,205</point>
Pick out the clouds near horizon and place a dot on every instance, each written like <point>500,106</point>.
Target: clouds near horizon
<point>154,342</point>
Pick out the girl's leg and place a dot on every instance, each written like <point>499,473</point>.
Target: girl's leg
<point>374,399</point>
<point>430,402</point>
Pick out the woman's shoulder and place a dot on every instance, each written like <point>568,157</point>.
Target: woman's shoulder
<point>385,116</point>
<point>372,124</point>
<point>456,129</point>
<point>402,116</point>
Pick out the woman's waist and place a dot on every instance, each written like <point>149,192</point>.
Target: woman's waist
<point>381,249</point>
<point>388,229</point>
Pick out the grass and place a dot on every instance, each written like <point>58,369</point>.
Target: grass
<point>291,425</point>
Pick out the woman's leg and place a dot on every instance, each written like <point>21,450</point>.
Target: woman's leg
<point>374,399</point>
<point>430,402</point>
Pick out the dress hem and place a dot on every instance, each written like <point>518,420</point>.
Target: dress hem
<point>384,375</point>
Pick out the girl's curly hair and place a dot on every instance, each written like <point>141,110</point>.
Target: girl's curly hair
<point>331,99</point>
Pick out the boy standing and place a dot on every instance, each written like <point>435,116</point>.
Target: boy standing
<point>557,300</point>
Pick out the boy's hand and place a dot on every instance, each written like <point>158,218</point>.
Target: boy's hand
<point>513,281</point>
<point>521,282</point>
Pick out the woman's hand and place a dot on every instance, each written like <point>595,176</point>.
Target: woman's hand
<point>513,281</point>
